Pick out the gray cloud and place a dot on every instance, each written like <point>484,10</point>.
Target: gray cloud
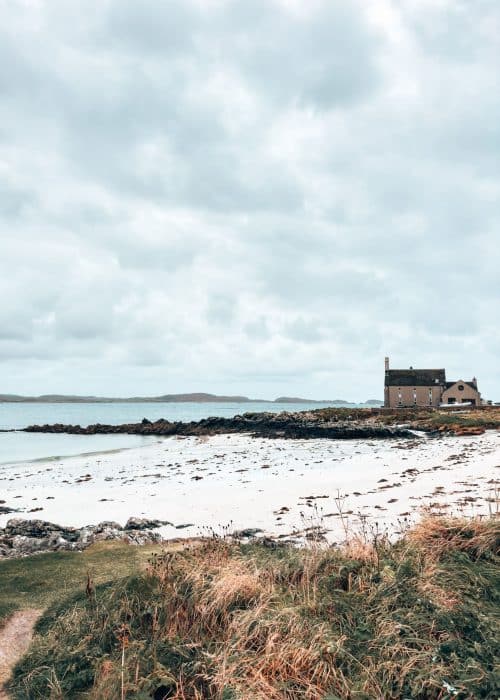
<point>262,197</point>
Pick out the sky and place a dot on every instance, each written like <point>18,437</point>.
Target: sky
<point>258,197</point>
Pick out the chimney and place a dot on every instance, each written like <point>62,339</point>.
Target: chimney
<point>386,364</point>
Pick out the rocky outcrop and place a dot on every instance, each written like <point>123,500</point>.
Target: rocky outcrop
<point>144,524</point>
<point>303,425</point>
<point>24,537</point>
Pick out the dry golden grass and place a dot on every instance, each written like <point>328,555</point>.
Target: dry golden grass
<point>441,597</point>
<point>222,621</point>
<point>474,536</point>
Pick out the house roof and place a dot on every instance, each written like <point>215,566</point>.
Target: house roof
<point>415,377</point>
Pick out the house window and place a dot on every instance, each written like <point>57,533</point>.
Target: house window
<point>461,387</point>
<point>399,397</point>
<point>415,396</point>
<point>430,396</point>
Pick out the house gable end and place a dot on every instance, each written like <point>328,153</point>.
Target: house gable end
<point>461,392</point>
<point>460,382</point>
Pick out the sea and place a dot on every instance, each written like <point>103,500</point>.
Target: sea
<point>21,447</point>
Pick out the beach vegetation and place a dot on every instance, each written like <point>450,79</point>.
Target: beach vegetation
<point>416,618</point>
<point>38,581</point>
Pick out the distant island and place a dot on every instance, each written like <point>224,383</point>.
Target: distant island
<point>174,398</point>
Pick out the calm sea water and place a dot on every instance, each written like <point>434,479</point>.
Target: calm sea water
<point>15,447</point>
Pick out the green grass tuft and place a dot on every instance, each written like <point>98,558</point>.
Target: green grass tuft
<point>36,582</point>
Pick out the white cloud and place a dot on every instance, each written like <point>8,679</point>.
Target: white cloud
<point>259,198</point>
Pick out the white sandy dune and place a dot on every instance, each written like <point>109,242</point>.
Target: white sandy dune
<point>236,482</point>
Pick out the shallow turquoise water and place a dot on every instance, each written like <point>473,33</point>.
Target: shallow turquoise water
<point>15,447</point>
<point>25,447</point>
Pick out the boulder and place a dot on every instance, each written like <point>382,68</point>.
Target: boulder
<point>106,531</point>
<point>39,529</point>
<point>30,528</point>
<point>105,525</point>
<point>141,537</point>
<point>56,542</point>
<point>144,524</point>
<point>22,544</point>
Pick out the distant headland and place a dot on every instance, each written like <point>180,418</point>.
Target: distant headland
<point>174,398</point>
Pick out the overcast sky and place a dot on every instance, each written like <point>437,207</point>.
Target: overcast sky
<point>258,197</point>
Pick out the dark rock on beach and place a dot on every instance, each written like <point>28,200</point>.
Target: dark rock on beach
<point>144,524</point>
<point>4,510</point>
<point>21,537</point>
<point>247,533</point>
<point>303,425</point>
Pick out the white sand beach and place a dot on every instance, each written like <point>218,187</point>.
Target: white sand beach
<point>280,486</point>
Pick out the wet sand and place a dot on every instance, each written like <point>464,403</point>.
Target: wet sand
<point>235,482</point>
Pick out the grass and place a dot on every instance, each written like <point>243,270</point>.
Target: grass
<point>413,619</point>
<point>36,582</point>
<point>419,417</point>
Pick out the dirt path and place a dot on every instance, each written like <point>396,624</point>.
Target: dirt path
<point>15,638</point>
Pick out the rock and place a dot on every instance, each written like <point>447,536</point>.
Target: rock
<point>315,537</point>
<point>287,425</point>
<point>469,431</point>
<point>106,525</point>
<point>106,531</point>
<point>22,537</point>
<point>4,510</point>
<point>247,532</point>
<point>30,528</point>
<point>5,551</point>
<point>29,545</point>
<point>86,535</point>
<point>141,537</point>
<point>57,543</point>
<point>144,524</point>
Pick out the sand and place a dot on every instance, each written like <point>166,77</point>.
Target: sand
<point>15,638</point>
<point>232,482</point>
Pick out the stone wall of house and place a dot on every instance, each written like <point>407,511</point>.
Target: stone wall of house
<point>466,394</point>
<point>413,396</point>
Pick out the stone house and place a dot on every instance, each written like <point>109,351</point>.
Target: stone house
<point>426,387</point>
<point>462,392</point>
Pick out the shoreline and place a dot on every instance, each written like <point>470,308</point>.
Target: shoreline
<point>236,482</point>
<point>54,458</point>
